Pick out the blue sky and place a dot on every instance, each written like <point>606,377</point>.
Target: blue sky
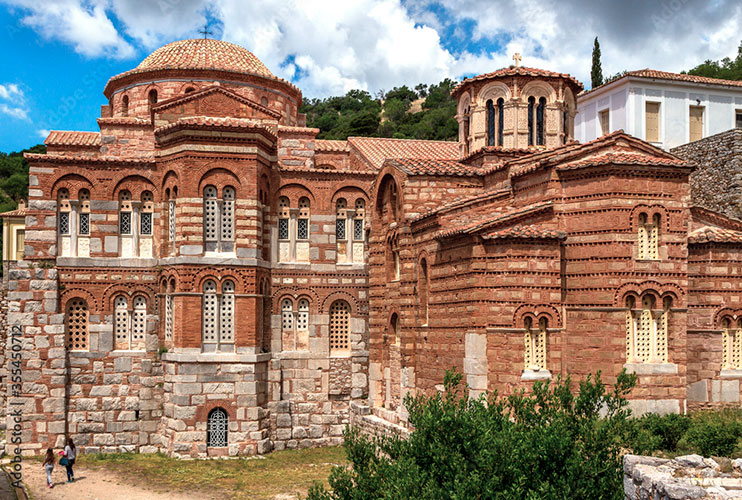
<point>60,53</point>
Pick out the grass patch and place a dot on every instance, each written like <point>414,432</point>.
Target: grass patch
<point>281,472</point>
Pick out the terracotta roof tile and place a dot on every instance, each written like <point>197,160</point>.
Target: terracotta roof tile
<point>666,75</point>
<point>331,145</point>
<point>18,212</point>
<point>297,130</point>
<point>377,150</point>
<point>487,220</point>
<point>711,234</point>
<point>624,159</point>
<point>516,71</point>
<point>73,138</point>
<point>464,201</point>
<point>526,232</point>
<point>210,121</point>
<point>417,166</point>
<point>113,160</point>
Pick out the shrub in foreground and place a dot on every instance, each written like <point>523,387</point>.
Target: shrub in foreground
<point>715,432</point>
<point>551,443</point>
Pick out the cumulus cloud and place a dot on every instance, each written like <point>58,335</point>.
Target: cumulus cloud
<point>12,101</point>
<point>327,47</point>
<point>43,133</point>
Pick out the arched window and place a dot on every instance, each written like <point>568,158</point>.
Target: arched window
<point>227,222</point>
<point>287,315</point>
<point>125,105</point>
<point>500,122</point>
<point>394,329</point>
<point>467,140</point>
<point>121,322</point>
<point>125,213</point>
<point>226,313</point>
<point>64,209</point>
<point>341,219</point>
<point>534,344</point>
<point>152,98</point>
<point>77,325</point>
<point>732,344</point>
<point>188,90</point>
<point>645,327</point>
<point>83,227</point>
<point>284,235</point>
<point>531,110</point>
<point>630,328</point>
<point>648,329</point>
<point>422,290</point>
<point>358,218</point>
<point>662,329</point>
<point>490,123</point>
<point>217,428</point>
<point>209,313</point>
<point>211,216</point>
<point>169,310</point>
<point>171,219</point>
<point>540,123</point>
<point>302,223</point>
<point>302,317</point>
<point>145,219</point>
<point>339,328</point>
<point>648,237</point>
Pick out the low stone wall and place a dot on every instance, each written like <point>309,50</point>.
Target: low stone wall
<point>684,478</point>
<point>376,421</point>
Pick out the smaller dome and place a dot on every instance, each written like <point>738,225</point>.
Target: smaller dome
<point>204,53</point>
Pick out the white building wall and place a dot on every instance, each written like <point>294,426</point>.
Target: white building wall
<point>626,100</point>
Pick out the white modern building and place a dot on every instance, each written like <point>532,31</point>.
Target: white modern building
<point>666,109</point>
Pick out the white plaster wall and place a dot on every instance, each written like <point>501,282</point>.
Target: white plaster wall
<point>626,102</point>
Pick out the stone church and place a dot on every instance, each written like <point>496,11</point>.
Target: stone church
<point>205,277</point>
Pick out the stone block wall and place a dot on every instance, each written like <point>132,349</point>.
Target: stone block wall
<point>717,181</point>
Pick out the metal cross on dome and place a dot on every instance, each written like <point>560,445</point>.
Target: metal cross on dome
<point>517,58</point>
<point>205,31</point>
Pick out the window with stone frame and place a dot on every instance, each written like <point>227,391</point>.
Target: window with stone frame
<point>500,121</point>
<point>76,323</point>
<point>647,329</point>
<point>125,211</point>
<point>121,323</point>
<point>341,219</point>
<point>648,237</point>
<point>209,313</point>
<point>358,218</point>
<point>490,107</point>
<point>139,323</point>
<point>130,324</point>
<point>227,214</point>
<point>170,310</point>
<point>302,315</point>
<point>146,216</point>
<point>284,217</point>
<point>219,219</point>
<point>217,428</point>
<point>731,344</point>
<point>534,344</point>
<point>64,212</point>
<point>218,311</point>
<point>211,215</point>
<point>339,328</point>
<point>226,313</point>
<point>83,226</point>
<point>287,315</point>
<point>302,221</point>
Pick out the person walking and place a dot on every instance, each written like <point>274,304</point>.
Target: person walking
<point>70,453</point>
<point>49,467</point>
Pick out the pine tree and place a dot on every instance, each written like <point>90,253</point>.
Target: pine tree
<point>596,73</point>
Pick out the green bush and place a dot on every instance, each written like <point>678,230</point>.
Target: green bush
<point>715,432</point>
<point>549,444</point>
<point>658,432</point>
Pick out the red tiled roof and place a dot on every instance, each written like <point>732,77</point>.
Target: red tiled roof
<point>18,212</point>
<point>297,130</point>
<point>376,150</point>
<point>417,166</point>
<point>72,138</point>
<point>124,121</point>
<point>526,232</point>
<point>711,234</point>
<point>666,75</point>
<point>214,89</point>
<point>516,71</point>
<point>331,145</point>
<point>463,201</point>
<point>624,159</point>
<point>210,121</point>
<point>204,53</point>
<point>471,227</point>
<point>114,160</point>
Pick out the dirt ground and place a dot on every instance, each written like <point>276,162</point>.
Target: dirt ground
<point>92,484</point>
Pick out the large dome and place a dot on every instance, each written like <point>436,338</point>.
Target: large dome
<point>204,53</point>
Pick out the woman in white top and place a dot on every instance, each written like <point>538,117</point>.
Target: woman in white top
<point>70,453</point>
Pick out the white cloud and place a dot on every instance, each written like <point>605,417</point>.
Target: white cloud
<point>15,102</point>
<point>43,133</point>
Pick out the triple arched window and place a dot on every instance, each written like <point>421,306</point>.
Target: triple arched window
<point>295,324</point>
<point>534,344</point>
<point>219,219</point>
<point>732,344</point>
<point>135,224</point>
<point>647,327</point>
<point>648,237</point>
<point>130,323</point>
<point>536,121</point>
<point>495,115</point>
<point>218,313</point>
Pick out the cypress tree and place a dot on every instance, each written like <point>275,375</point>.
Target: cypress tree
<point>596,73</point>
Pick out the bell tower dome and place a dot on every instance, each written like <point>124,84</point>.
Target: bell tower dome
<point>516,108</point>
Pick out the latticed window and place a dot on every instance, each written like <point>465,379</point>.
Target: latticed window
<point>169,311</point>
<point>662,331</point>
<point>64,223</point>
<point>77,325</point>
<point>209,312</point>
<point>647,330</point>
<point>171,223</point>
<point>283,218</point>
<point>287,315</point>
<point>630,328</point>
<point>534,345</point>
<point>121,322</point>
<point>648,237</point>
<point>358,229</point>
<point>643,349</point>
<point>226,313</point>
<point>139,321</point>
<point>125,213</point>
<point>227,221</point>
<point>302,317</point>
<point>302,222</point>
<point>145,218</point>
<point>211,214</point>
<point>339,327</point>
<point>146,224</point>
<point>341,218</point>
<point>217,428</point>
<point>64,207</point>
<point>732,344</point>
<point>125,223</point>
<point>84,228</point>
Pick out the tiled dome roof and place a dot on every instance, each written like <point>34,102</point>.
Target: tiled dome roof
<point>204,53</point>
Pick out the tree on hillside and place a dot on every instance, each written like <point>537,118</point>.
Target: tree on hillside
<point>596,73</point>
<point>14,177</point>
<point>726,69</point>
<point>552,443</point>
